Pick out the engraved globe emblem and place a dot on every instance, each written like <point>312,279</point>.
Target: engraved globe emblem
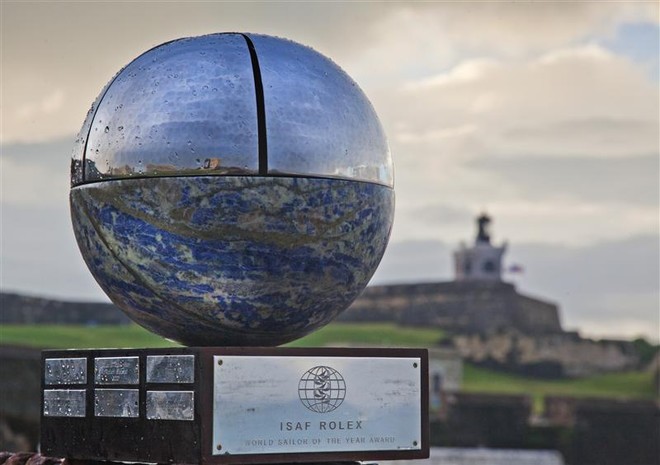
<point>322,389</point>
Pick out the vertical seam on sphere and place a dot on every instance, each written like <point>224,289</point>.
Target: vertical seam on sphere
<point>261,108</point>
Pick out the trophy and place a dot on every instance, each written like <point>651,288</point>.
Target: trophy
<point>233,192</point>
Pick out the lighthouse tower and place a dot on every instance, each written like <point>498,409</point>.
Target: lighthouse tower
<point>482,261</point>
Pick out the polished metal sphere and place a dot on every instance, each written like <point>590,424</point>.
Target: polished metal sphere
<point>232,189</point>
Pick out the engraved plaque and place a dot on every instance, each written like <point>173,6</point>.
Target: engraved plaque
<point>116,403</point>
<point>170,369</point>
<point>281,404</point>
<point>64,403</point>
<point>237,406</point>
<point>171,405</point>
<point>65,371</point>
<point>116,370</point>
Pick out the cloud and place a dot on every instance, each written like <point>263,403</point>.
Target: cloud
<point>35,174</point>
<point>39,255</point>
<point>52,154</point>
<point>62,47</point>
<point>440,215</point>
<point>631,181</point>
<point>581,134</point>
<point>437,134</point>
<point>516,28</point>
<point>423,261</point>
<point>440,34</point>
<point>463,73</point>
<point>46,106</point>
<point>583,100</point>
<point>569,137</point>
<point>606,288</point>
<point>605,268</point>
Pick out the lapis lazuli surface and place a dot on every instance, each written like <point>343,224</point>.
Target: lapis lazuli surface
<point>223,260</point>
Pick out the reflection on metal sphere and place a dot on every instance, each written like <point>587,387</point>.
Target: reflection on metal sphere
<point>232,189</point>
<point>229,104</point>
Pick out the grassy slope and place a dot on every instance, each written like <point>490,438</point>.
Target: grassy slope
<point>80,337</point>
<point>633,384</point>
<point>377,334</point>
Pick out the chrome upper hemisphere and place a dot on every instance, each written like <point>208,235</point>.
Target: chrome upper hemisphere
<point>232,104</point>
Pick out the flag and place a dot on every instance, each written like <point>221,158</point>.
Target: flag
<point>515,268</point>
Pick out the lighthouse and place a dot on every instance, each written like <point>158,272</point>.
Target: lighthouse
<point>482,261</point>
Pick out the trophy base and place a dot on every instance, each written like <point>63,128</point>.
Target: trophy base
<point>225,405</point>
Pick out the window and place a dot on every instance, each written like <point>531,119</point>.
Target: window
<point>489,266</point>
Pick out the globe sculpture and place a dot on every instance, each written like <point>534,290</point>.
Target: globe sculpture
<point>232,189</point>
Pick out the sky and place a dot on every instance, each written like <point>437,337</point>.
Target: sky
<point>543,114</point>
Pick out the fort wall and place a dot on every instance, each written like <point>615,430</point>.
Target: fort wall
<point>466,306</point>
<point>20,309</point>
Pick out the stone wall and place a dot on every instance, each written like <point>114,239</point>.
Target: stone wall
<point>584,431</point>
<point>479,420</point>
<point>20,309</point>
<point>20,406</point>
<point>462,306</point>
<point>608,431</point>
<point>495,326</point>
<point>547,355</point>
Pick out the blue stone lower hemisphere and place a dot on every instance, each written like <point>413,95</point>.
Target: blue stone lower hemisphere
<point>232,261</point>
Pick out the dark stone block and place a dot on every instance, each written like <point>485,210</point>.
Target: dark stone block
<point>609,432</point>
<point>20,378</point>
<point>478,419</point>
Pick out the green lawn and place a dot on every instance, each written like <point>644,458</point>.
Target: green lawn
<point>634,384</point>
<point>623,385</point>
<point>92,337</point>
<point>80,337</point>
<point>376,334</point>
